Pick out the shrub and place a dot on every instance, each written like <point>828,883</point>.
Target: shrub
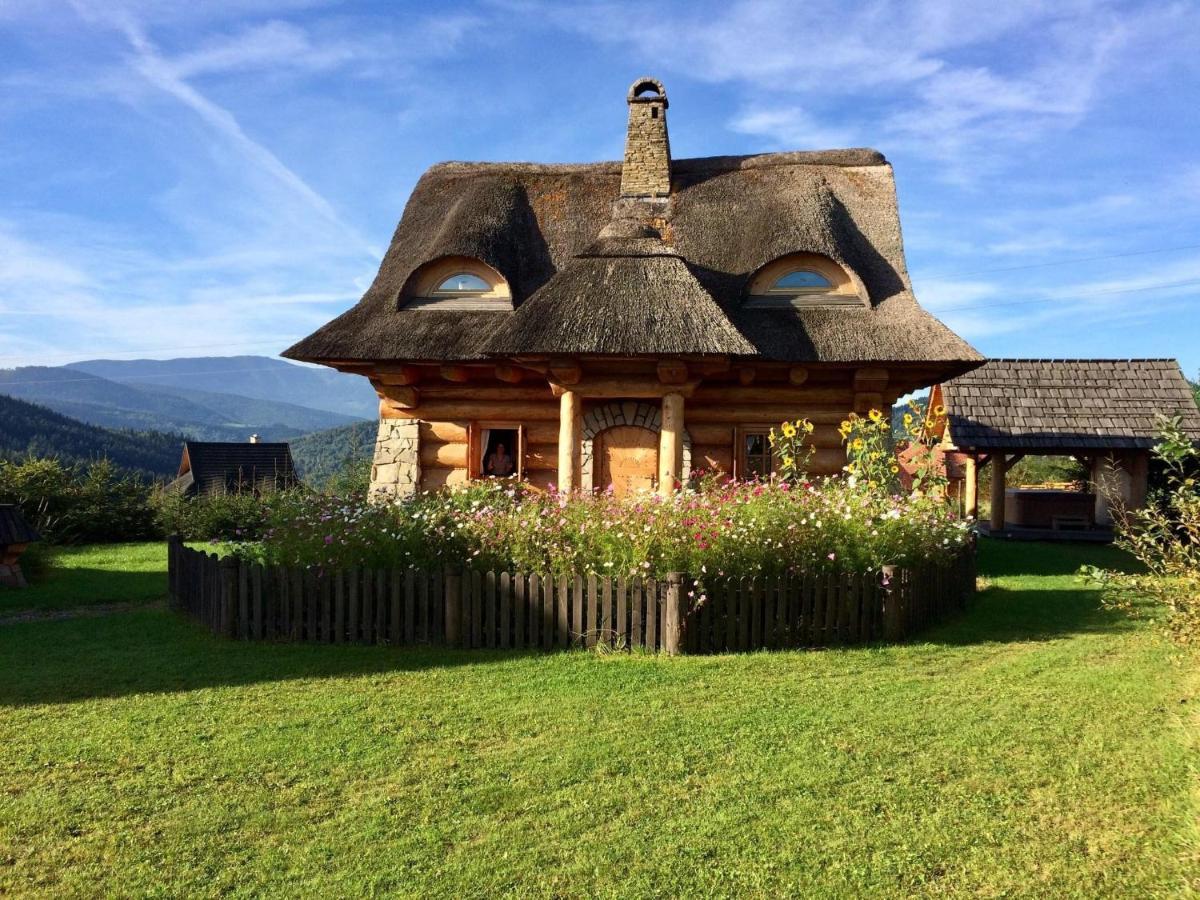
<point>96,503</point>
<point>233,516</point>
<point>1164,537</point>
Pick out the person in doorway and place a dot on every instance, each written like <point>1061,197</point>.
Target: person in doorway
<point>499,464</point>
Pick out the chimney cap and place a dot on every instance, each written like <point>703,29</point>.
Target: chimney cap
<point>637,92</point>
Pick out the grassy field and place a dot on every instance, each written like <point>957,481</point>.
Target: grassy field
<point>64,577</point>
<point>1037,746</point>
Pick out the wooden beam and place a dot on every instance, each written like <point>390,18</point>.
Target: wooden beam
<point>999,478</point>
<point>797,375</point>
<point>672,372</point>
<point>670,444</point>
<point>456,374</point>
<point>570,443</point>
<point>401,375</point>
<point>608,388</point>
<point>565,373</point>
<point>746,376</point>
<point>397,395</point>
<point>1013,460</point>
<point>510,374</point>
<point>870,380</point>
<point>971,488</point>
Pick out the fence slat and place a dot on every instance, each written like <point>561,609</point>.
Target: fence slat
<point>476,609</point>
<point>533,618</point>
<point>562,620</point>
<point>548,607</point>
<point>604,620</point>
<point>622,624</point>
<point>410,605</point>
<point>591,612</point>
<point>637,634</point>
<point>396,604</point>
<point>519,610</point>
<point>652,607</point>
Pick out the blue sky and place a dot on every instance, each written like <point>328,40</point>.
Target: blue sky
<point>216,177</point>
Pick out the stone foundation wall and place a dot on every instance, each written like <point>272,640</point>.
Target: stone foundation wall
<point>396,467</point>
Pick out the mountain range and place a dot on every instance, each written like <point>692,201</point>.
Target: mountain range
<point>207,398</point>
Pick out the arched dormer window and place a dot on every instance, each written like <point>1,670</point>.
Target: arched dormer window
<point>803,280</point>
<point>456,282</point>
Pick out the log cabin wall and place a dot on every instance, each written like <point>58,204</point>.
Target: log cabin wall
<point>431,418</point>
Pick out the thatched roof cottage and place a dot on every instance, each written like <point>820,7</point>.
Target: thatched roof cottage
<point>627,323</point>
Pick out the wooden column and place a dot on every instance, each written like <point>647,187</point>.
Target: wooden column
<point>971,488</point>
<point>670,443</point>
<point>999,476</point>
<point>570,444</point>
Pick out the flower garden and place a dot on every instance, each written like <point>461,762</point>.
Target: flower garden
<point>858,522</point>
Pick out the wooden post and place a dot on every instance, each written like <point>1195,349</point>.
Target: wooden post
<point>672,636</point>
<point>229,569</point>
<point>892,624</point>
<point>999,476</point>
<point>570,445</point>
<point>453,599</point>
<point>971,488</point>
<point>670,443</point>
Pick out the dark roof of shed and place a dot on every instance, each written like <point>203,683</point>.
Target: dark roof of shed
<point>13,527</point>
<point>1067,404</point>
<point>727,217</point>
<point>215,462</point>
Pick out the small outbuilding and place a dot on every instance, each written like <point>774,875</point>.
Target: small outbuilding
<point>1103,412</point>
<point>211,467</point>
<point>15,537</point>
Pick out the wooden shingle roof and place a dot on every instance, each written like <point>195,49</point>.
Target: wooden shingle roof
<point>13,527</point>
<point>1067,404</point>
<point>211,466</point>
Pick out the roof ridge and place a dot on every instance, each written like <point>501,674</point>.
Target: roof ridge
<point>848,157</point>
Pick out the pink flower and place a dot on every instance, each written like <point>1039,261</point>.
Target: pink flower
<point>329,539</point>
<point>831,556</point>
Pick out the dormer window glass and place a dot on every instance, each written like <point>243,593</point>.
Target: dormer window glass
<point>456,283</point>
<point>801,281</point>
<point>804,281</point>
<point>462,284</point>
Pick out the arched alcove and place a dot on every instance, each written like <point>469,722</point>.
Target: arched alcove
<point>623,412</point>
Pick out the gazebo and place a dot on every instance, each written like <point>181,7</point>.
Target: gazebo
<point>1103,412</point>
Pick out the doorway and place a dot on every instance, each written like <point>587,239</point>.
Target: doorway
<point>627,457</point>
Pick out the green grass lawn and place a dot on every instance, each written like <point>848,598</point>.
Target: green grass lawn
<point>65,577</point>
<point>1036,746</point>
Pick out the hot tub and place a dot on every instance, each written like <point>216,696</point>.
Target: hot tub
<point>1049,508</point>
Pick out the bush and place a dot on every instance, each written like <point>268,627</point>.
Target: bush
<point>235,516</point>
<point>75,504</point>
<point>1164,536</point>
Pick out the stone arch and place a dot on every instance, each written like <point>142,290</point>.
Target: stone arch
<point>639,88</point>
<point>623,412</point>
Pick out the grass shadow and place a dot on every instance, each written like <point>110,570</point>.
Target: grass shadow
<point>158,651</point>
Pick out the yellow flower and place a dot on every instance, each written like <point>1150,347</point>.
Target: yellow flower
<point>875,415</point>
<point>808,427</point>
<point>895,469</point>
<point>789,430</point>
<point>908,419</point>
<point>857,444</point>
<point>844,429</point>
<point>939,411</point>
<point>788,461</point>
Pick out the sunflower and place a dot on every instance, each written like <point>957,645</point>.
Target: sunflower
<point>875,415</point>
<point>789,430</point>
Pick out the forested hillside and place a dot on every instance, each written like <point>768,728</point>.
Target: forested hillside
<point>322,455</point>
<point>26,428</point>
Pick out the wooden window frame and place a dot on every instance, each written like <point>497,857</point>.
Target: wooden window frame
<point>475,448</point>
<point>740,463</point>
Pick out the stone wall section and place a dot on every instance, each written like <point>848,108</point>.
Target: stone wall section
<point>396,467</point>
<point>647,168</point>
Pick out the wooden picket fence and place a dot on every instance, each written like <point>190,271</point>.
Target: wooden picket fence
<point>504,610</point>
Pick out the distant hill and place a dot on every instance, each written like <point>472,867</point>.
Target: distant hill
<point>26,428</point>
<point>322,455</point>
<point>145,404</point>
<point>257,377</point>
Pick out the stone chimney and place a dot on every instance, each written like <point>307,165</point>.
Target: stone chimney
<point>647,168</point>
<point>254,438</point>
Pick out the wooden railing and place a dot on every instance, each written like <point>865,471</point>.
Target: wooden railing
<point>504,610</point>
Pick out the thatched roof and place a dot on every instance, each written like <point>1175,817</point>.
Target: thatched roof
<point>726,217</point>
<point>1067,404</point>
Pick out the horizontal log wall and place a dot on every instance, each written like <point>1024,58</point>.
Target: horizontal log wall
<point>504,610</point>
